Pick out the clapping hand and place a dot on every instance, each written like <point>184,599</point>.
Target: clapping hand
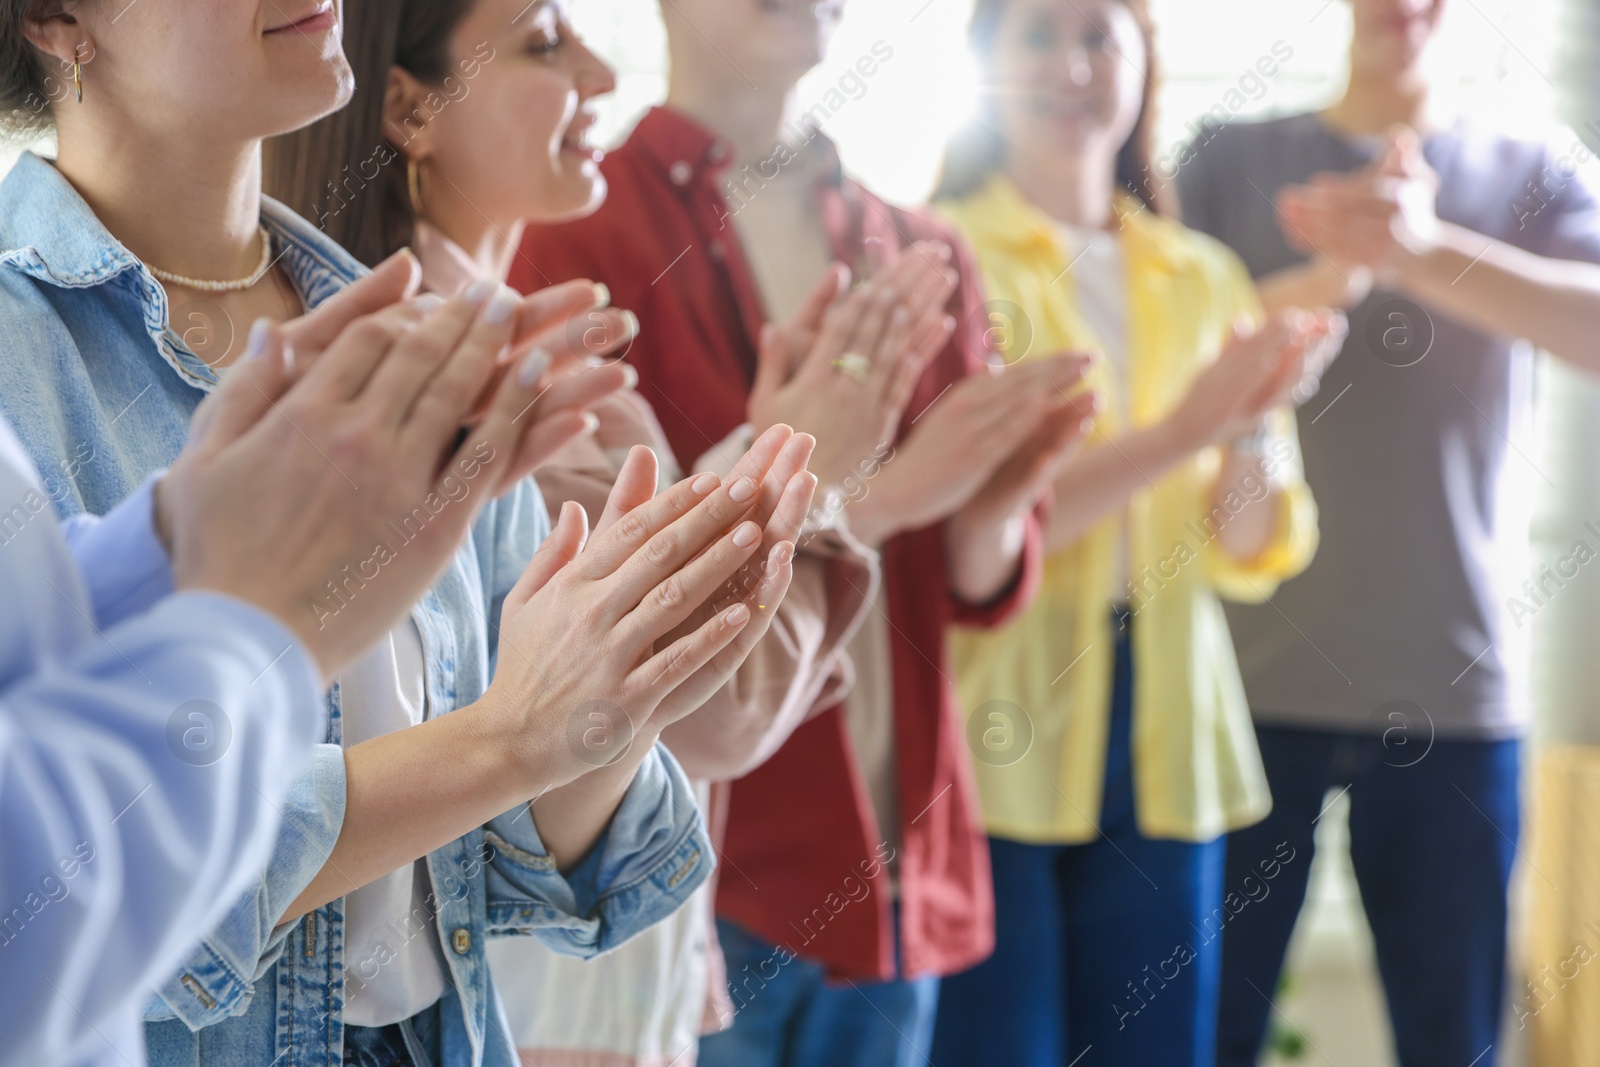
<point>845,367</point>
<point>1374,219</point>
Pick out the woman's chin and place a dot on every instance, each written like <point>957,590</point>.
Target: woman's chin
<point>574,195</point>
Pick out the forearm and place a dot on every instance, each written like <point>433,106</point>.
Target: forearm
<point>1503,290</point>
<point>572,818</point>
<point>1251,529</point>
<point>1101,480</point>
<point>982,554</point>
<point>142,877</point>
<point>1315,283</point>
<point>410,792</point>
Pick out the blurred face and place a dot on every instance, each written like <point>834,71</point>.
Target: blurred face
<point>507,129</point>
<point>755,39</point>
<point>1070,77</point>
<point>232,69</point>
<point>1391,35</point>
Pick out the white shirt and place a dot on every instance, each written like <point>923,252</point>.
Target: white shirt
<point>394,962</point>
<point>1100,274</point>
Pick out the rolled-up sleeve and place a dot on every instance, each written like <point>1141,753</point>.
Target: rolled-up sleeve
<point>1295,533</point>
<point>655,853</point>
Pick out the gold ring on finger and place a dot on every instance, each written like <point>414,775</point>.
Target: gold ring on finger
<point>854,365</point>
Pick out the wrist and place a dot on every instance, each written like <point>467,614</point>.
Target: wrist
<point>878,515</point>
<point>523,751</point>
<point>1177,436</point>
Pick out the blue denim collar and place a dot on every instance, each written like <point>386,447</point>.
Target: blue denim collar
<point>48,231</point>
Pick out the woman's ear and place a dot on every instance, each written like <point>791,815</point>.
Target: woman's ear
<point>53,30</point>
<point>407,122</point>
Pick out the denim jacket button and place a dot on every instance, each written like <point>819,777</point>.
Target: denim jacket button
<point>461,941</point>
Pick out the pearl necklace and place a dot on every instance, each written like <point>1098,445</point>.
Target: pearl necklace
<point>233,286</point>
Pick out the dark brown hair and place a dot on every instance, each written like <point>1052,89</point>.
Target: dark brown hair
<point>978,149</point>
<point>28,88</point>
<point>342,172</point>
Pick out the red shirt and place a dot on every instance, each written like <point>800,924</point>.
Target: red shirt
<point>802,839</point>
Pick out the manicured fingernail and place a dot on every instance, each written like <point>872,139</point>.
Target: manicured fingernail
<point>591,422</point>
<point>630,324</point>
<point>630,377</point>
<point>747,534</point>
<point>533,368</point>
<point>501,307</point>
<point>782,553</point>
<point>736,615</point>
<point>705,484</point>
<point>602,295</point>
<point>480,290</point>
<point>256,344</point>
<point>741,490</point>
<point>427,302</point>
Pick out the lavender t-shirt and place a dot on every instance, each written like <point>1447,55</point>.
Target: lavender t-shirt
<point>1417,447</point>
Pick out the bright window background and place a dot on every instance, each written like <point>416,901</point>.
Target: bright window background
<point>891,137</point>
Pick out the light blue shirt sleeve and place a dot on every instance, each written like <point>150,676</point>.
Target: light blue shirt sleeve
<point>142,767</point>
<point>123,563</point>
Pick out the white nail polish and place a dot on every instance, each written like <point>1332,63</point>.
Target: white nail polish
<point>480,290</point>
<point>501,306</point>
<point>533,368</point>
<point>257,342</point>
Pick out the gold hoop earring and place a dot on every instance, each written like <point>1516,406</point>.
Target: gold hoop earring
<point>77,78</point>
<point>414,186</point>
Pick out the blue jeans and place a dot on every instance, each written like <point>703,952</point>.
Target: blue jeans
<point>412,1042</point>
<point>798,1019</point>
<point>1098,946</point>
<point>1432,841</point>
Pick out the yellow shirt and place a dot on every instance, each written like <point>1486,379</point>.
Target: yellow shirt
<point>1197,772</point>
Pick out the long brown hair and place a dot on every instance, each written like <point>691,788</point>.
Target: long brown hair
<point>978,149</point>
<point>342,172</point>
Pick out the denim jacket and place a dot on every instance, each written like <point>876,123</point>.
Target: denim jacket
<point>100,384</point>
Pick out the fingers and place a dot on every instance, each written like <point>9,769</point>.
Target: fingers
<point>840,328</point>
<point>769,578</point>
<point>564,544</point>
<point>789,513</point>
<point>344,367</point>
<point>679,594</point>
<point>588,336</point>
<point>555,305</point>
<point>543,443</point>
<point>572,391</point>
<point>654,561</point>
<point>435,375</point>
<point>622,543</point>
<point>247,393</point>
<point>930,336</point>
<point>635,485</point>
<point>517,429</point>
<point>834,282</point>
<point>772,361</point>
<point>672,666</point>
<point>791,461</point>
<point>393,280</point>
